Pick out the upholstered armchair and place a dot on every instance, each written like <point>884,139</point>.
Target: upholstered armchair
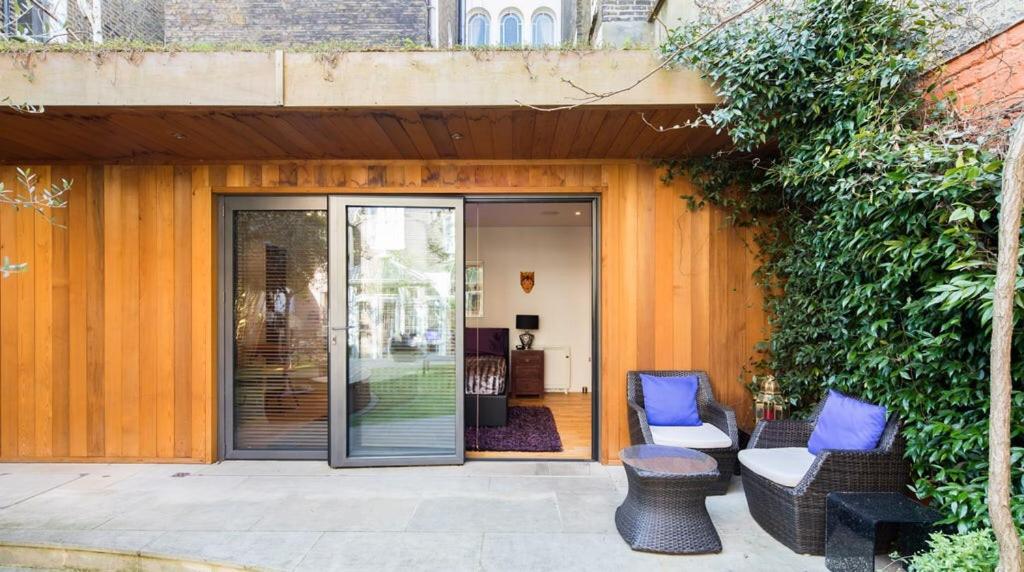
<point>717,436</point>
<point>786,485</point>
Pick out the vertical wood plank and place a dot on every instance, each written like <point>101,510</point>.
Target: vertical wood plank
<point>42,275</point>
<point>166,332</point>
<point>630,207</point>
<point>662,250</point>
<point>95,304</point>
<point>700,288</point>
<point>130,310</point>
<point>25,329</point>
<point>148,323</point>
<point>182,312</point>
<point>114,303</point>
<point>9,328</point>
<point>683,255</point>
<point>646,275</point>
<point>61,357</point>
<point>611,313</point>
<point>78,246</point>
<point>718,308</point>
<point>203,429</point>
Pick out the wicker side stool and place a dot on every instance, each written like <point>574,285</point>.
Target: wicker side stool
<point>664,510</point>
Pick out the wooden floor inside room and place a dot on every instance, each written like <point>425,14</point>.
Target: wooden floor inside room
<point>572,414</point>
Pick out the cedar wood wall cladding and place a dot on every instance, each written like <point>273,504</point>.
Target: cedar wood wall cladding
<point>107,343</point>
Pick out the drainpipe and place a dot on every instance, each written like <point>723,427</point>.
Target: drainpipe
<point>432,23</point>
<point>460,10</point>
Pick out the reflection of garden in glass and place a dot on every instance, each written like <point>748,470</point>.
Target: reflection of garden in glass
<point>401,342</point>
<point>402,394</point>
<point>279,326</point>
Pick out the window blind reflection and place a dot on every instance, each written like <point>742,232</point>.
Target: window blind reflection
<point>280,330</point>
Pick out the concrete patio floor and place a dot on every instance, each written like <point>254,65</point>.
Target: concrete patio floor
<point>306,516</point>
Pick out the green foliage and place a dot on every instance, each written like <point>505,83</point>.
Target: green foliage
<point>28,195</point>
<point>975,551</point>
<point>877,223</point>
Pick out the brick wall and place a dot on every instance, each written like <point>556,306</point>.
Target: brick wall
<point>141,20</point>
<point>989,79</point>
<point>363,22</point>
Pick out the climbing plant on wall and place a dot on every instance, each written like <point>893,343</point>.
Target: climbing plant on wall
<point>877,224</point>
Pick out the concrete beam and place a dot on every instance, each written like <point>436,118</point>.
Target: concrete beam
<point>500,78</point>
<point>348,79</point>
<point>142,78</point>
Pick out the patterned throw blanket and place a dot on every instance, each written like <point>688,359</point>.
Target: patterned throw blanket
<point>485,375</point>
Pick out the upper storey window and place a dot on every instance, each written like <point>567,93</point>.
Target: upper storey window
<point>543,29</point>
<point>479,29</point>
<point>511,29</point>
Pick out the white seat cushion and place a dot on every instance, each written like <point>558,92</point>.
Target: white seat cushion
<point>785,465</point>
<point>704,436</point>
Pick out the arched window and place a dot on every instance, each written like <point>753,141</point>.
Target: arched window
<point>543,29</point>
<point>511,29</point>
<point>479,29</point>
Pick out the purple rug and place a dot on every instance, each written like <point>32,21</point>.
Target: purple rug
<point>528,429</point>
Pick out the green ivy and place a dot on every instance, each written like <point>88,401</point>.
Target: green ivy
<point>877,225</point>
<point>974,551</point>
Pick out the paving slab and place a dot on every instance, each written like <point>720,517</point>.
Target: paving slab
<point>342,514</point>
<point>535,512</point>
<point>288,515</point>
<point>17,487</point>
<point>266,550</point>
<point>394,551</point>
<point>68,510</point>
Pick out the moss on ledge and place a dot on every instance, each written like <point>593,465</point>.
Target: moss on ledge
<point>131,46</point>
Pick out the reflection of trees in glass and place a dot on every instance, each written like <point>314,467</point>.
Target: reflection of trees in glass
<point>285,252</point>
<point>395,296</point>
<point>439,236</point>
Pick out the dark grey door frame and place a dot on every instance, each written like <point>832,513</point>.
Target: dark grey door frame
<point>337,419</point>
<point>320,202</point>
<point>225,348</point>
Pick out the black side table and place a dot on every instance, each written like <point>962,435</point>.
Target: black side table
<point>858,524</point>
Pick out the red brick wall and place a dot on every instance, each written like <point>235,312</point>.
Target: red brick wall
<point>989,79</point>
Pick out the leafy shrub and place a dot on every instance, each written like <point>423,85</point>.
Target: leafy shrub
<point>975,551</point>
<point>877,226</point>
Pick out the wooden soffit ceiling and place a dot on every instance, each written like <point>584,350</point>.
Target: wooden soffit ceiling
<point>119,134</point>
<point>170,106</point>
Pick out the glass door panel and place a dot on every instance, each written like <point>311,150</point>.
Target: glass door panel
<point>276,328</point>
<point>396,333</point>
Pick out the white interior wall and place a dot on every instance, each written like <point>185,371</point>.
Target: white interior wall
<point>560,257</point>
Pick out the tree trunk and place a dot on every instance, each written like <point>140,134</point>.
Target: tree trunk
<point>999,485</point>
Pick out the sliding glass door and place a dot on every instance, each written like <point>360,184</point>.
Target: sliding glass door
<point>395,338</point>
<point>274,364</point>
<point>342,323</point>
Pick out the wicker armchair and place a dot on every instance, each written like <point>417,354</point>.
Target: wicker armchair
<point>795,516</point>
<point>712,412</point>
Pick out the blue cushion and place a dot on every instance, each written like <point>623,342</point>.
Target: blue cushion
<point>671,400</point>
<point>847,423</point>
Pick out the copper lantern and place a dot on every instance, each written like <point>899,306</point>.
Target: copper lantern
<point>768,402</point>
